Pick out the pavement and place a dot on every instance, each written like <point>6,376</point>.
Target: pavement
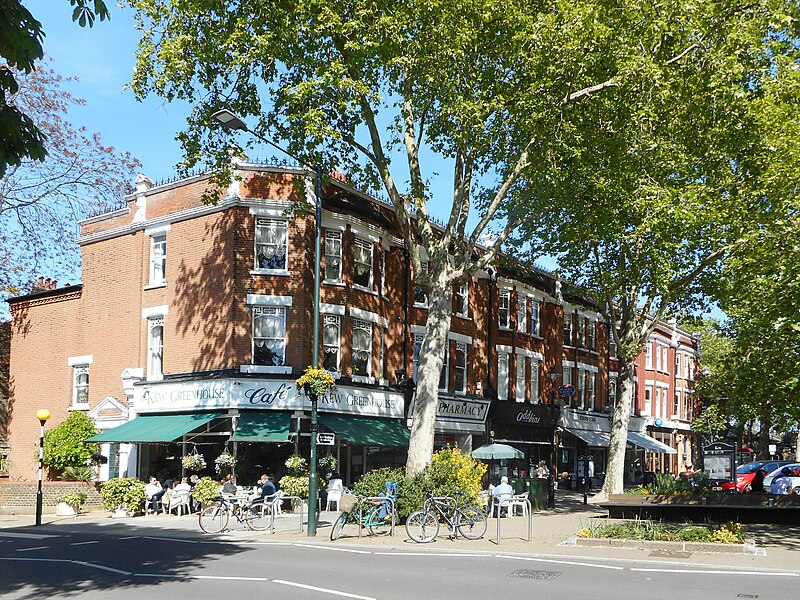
<point>777,547</point>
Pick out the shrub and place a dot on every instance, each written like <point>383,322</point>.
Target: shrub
<point>64,446</point>
<point>73,498</point>
<point>295,485</point>
<point>452,471</point>
<point>81,473</point>
<point>206,490</point>
<point>125,492</point>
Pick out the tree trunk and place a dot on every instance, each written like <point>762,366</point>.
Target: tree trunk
<point>763,432</point>
<point>615,468</point>
<point>431,357</point>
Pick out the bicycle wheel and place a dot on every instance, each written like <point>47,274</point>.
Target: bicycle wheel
<point>258,516</point>
<point>471,522</point>
<point>422,527</point>
<point>377,525</point>
<point>338,525</point>
<point>214,518</point>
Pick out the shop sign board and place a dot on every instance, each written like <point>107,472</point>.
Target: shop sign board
<point>326,439</point>
<point>458,413</point>
<point>260,394</point>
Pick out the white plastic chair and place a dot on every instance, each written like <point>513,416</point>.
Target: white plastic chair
<point>277,502</point>
<point>501,501</point>
<point>333,498</point>
<point>179,501</point>
<point>521,501</point>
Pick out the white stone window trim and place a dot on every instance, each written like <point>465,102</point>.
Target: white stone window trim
<point>265,271</point>
<point>271,212</point>
<point>521,369</point>
<point>77,370</point>
<point>504,293</point>
<point>268,300</point>
<point>363,379</point>
<point>333,235</point>
<point>366,234</point>
<point>583,366</point>
<point>272,272</point>
<point>332,309</point>
<point>528,353</point>
<point>281,370</point>
<point>157,230</point>
<point>155,311</point>
<point>74,361</point>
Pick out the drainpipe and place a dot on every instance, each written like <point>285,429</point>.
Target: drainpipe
<point>406,286</point>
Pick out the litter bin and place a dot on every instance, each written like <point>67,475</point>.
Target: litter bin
<point>535,488</point>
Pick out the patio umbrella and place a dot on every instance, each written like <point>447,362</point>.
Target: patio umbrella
<point>496,452</point>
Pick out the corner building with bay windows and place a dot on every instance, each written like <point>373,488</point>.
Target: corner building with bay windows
<point>193,321</point>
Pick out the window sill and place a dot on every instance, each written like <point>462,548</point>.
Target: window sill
<point>334,282</point>
<point>504,328</point>
<point>156,286</point>
<point>536,336</point>
<point>276,272</point>
<point>464,316</point>
<point>460,393</point>
<point>285,370</point>
<point>366,290</point>
<point>81,406</point>
<point>363,379</point>
<point>422,306</point>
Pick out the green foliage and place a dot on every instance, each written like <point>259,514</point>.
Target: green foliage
<point>125,492</point>
<point>206,490</point>
<point>452,470</point>
<point>727,533</point>
<point>73,498</point>
<point>295,485</point>
<point>64,446</point>
<point>79,473</point>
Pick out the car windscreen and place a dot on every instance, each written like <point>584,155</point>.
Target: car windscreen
<point>751,467</point>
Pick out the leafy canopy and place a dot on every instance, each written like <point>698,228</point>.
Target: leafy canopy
<point>65,445</point>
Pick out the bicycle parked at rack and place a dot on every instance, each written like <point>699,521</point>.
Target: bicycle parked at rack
<point>377,515</point>
<point>467,520</point>
<point>257,515</point>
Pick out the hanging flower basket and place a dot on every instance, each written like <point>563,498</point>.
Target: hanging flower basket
<point>194,462</point>
<point>225,463</point>
<point>316,382</point>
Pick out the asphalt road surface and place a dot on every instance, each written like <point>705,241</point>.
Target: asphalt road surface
<point>111,563</point>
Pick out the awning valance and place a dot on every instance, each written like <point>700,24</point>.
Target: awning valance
<point>649,444</point>
<point>263,426</point>
<point>156,428</point>
<point>366,431</point>
<point>592,438</point>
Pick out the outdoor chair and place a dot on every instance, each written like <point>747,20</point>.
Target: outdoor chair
<point>179,501</point>
<point>501,501</point>
<point>518,501</point>
<point>333,498</point>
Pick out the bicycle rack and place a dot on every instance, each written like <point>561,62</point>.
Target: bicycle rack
<point>530,519</point>
<point>280,499</point>
<point>371,499</point>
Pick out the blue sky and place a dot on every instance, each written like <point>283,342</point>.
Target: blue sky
<point>102,59</point>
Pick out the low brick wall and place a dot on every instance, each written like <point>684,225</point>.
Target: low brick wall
<point>20,497</point>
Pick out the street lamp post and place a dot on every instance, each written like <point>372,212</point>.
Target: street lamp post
<point>230,121</point>
<point>42,414</point>
<point>551,481</point>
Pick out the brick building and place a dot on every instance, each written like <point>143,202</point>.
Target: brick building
<point>193,320</point>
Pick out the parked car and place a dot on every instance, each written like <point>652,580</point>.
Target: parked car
<point>794,477</point>
<point>746,472</point>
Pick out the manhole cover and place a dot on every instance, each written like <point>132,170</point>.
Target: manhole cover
<point>526,574</point>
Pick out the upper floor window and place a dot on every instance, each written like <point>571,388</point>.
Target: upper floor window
<point>520,378</point>
<point>612,344</point>
<point>676,409</point>
<point>420,297</point>
<point>461,367</point>
<point>648,400</point>
<point>271,244</point>
<point>648,357</point>
<point>269,336</point>
<point>591,330</point>
<point>362,348</point>
<point>333,255</point>
<point>534,381</point>
<point>462,299</point>
<point>658,357</point>
<point>678,364</point>
<point>158,258</point>
<point>568,330</point>
<point>363,264</point>
<point>502,376</point>
<point>155,348</point>
<point>443,378</point>
<point>331,341</point>
<point>383,272</point>
<point>612,393</point>
<point>566,379</point>
<point>80,385</point>
<point>504,309</point>
<point>581,332</point>
<point>665,358</point>
<point>580,389</point>
<point>418,339</point>
<point>521,310</point>
<point>590,395</point>
<point>535,322</point>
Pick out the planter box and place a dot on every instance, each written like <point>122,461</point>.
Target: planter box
<point>66,510</point>
<point>121,513</point>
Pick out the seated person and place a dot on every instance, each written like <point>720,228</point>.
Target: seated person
<point>228,487</point>
<point>183,486</point>
<point>502,490</point>
<point>267,488</point>
<point>153,492</point>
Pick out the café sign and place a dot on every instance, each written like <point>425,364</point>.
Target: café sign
<point>260,394</point>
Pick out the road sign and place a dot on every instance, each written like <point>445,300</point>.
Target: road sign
<point>566,391</point>
<point>326,439</point>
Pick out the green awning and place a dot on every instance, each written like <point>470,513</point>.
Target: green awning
<point>264,426</point>
<point>367,431</point>
<point>161,428</point>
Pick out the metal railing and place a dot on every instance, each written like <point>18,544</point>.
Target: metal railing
<point>498,503</point>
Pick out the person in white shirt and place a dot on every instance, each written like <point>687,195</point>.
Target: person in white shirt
<point>153,492</point>
<point>781,484</point>
<point>503,488</point>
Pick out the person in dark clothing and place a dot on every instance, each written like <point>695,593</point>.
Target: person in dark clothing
<point>757,485</point>
<point>267,487</point>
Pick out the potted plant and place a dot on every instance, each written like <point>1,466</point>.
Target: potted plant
<point>206,491</point>
<point>69,504</point>
<point>225,463</point>
<point>316,382</point>
<point>124,495</point>
<point>193,462</point>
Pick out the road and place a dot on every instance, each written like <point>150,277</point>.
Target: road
<point>115,562</point>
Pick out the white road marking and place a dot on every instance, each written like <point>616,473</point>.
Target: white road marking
<point>26,536</point>
<point>85,543</point>
<point>561,562</point>
<point>129,537</point>
<point>169,539</point>
<point>101,567</point>
<point>323,590</point>
<point>450,554</point>
<point>333,548</point>
<point>32,548</point>
<point>716,572</point>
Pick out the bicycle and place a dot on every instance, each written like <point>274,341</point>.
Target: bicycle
<point>257,515</point>
<point>378,519</point>
<point>468,520</point>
